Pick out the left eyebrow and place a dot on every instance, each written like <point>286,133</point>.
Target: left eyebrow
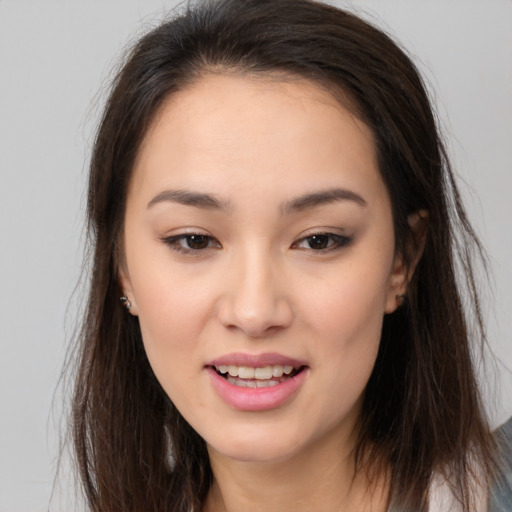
<point>320,198</point>
<point>189,198</point>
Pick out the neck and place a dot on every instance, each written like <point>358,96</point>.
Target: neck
<point>319,478</point>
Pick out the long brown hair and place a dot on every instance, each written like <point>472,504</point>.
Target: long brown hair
<point>422,413</point>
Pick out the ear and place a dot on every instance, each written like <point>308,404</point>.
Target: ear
<point>127,290</point>
<point>403,268</point>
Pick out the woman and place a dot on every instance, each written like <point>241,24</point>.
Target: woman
<point>271,201</point>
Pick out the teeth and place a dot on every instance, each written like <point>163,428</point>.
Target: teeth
<point>263,373</point>
<point>265,383</point>
<point>277,371</point>
<point>253,383</point>
<point>245,372</point>
<point>287,369</point>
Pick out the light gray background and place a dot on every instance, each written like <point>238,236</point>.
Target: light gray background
<point>54,59</point>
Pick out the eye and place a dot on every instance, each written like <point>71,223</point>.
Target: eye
<point>322,242</point>
<point>191,242</point>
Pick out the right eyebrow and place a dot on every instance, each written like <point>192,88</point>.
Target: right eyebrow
<point>189,198</point>
<point>320,198</point>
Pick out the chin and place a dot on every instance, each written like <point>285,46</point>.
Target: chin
<point>258,447</point>
<point>264,455</point>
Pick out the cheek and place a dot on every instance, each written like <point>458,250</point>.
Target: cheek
<point>349,339</point>
<point>350,303</point>
<point>346,317</point>
<point>172,310</point>
<point>170,327</point>
<point>348,332</point>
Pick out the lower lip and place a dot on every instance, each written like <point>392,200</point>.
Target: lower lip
<point>256,399</point>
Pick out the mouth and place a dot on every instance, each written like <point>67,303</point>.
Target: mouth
<point>257,382</point>
<point>257,377</point>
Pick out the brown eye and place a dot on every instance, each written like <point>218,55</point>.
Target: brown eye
<point>197,241</point>
<point>322,242</point>
<point>318,241</point>
<point>191,243</point>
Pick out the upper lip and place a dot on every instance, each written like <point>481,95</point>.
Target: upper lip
<point>256,360</point>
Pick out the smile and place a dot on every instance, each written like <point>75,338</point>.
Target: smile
<point>257,383</point>
<point>259,377</point>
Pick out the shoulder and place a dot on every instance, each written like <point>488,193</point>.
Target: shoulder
<point>501,492</point>
<point>442,499</point>
<point>498,498</point>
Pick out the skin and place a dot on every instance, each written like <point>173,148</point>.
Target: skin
<point>257,144</point>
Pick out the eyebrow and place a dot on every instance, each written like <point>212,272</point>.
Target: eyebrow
<point>298,204</point>
<point>320,198</point>
<point>189,198</point>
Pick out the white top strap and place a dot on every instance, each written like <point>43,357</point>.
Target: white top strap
<point>443,500</point>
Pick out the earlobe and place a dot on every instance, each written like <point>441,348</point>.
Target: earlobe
<point>397,285</point>
<point>404,268</point>
<point>127,298</point>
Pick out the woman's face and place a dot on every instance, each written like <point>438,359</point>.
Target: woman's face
<point>259,258</point>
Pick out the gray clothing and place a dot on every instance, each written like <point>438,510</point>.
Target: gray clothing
<point>501,493</point>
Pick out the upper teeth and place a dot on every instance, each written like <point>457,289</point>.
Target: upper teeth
<point>260,373</point>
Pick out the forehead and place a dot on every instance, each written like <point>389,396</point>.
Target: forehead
<point>257,132</point>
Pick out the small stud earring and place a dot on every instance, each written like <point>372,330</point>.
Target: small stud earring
<point>400,299</point>
<point>126,303</point>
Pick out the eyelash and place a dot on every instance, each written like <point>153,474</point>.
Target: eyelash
<point>177,242</point>
<point>334,242</point>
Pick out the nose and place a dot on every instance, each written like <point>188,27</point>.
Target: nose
<point>256,299</point>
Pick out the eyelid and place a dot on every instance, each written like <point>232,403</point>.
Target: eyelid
<point>336,241</point>
<point>340,241</point>
<point>173,242</point>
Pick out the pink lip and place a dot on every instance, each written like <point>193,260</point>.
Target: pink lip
<point>256,360</point>
<point>256,399</point>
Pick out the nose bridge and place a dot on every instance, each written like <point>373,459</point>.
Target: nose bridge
<point>255,302</point>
